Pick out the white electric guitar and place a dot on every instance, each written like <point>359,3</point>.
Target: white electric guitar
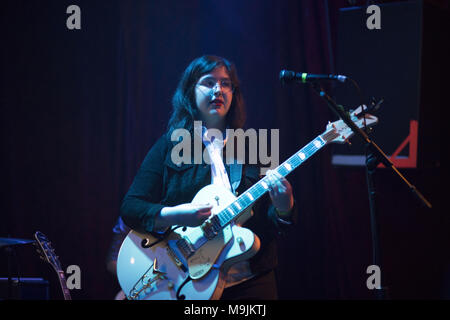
<point>189,263</point>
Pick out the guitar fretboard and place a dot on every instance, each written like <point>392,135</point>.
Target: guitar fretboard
<point>62,282</point>
<point>245,200</point>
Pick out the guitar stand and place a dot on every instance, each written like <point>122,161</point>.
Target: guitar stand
<point>11,254</point>
<point>374,155</point>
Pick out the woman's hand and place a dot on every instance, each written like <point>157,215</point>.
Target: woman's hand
<point>280,191</point>
<point>186,214</point>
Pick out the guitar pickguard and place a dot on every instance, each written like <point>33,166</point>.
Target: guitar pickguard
<point>206,255</point>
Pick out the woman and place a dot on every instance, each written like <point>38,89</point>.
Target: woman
<point>162,190</point>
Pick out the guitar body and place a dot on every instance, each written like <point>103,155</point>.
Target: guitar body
<point>163,271</point>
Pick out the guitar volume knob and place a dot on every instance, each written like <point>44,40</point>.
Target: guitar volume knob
<point>240,242</point>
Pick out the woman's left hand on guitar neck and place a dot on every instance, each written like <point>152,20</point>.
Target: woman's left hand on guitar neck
<point>280,191</point>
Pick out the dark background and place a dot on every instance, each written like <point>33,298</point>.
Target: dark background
<point>81,108</point>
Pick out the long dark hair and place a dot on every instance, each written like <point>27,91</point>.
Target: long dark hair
<point>185,111</point>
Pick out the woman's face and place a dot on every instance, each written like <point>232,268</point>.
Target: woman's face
<point>213,95</point>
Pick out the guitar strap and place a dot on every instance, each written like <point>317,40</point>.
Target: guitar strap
<point>235,175</point>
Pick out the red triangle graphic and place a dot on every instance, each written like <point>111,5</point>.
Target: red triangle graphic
<point>411,140</point>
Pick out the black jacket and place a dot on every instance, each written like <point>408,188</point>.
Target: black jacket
<point>159,183</point>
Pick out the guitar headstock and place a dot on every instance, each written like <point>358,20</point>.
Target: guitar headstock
<point>339,132</point>
<point>46,251</point>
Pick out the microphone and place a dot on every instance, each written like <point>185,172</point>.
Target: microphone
<point>288,76</point>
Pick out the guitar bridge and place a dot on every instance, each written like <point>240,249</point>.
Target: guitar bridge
<point>186,248</point>
<point>175,259</point>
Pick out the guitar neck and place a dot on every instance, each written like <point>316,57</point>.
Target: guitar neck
<point>245,200</point>
<point>62,282</point>
<point>47,253</point>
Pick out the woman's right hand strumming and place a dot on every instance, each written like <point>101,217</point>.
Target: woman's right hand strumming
<point>186,214</point>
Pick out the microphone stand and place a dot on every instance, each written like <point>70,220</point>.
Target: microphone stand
<point>374,155</point>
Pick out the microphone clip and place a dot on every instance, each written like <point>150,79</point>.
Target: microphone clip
<point>372,108</point>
